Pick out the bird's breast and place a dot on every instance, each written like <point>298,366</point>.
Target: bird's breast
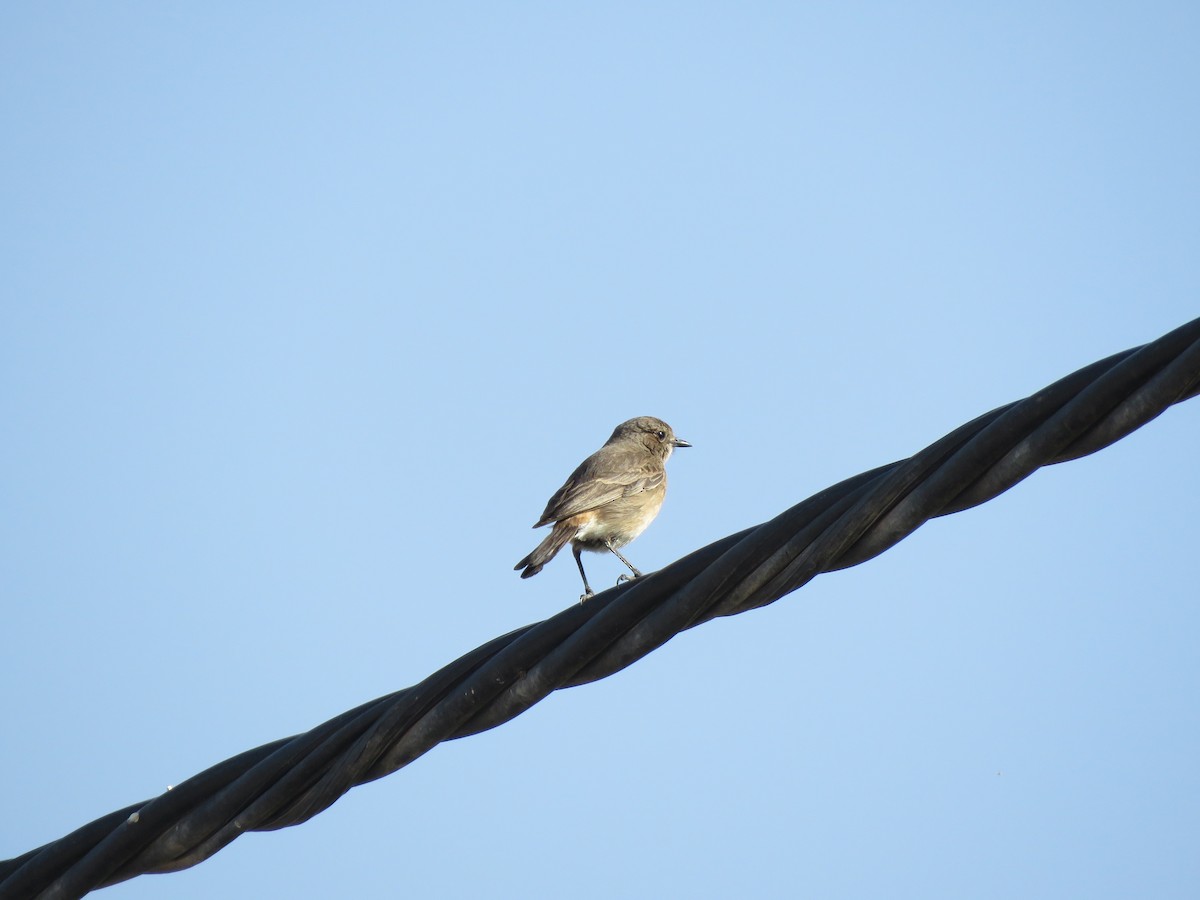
<point>622,520</point>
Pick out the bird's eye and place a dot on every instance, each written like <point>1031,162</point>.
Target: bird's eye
<point>662,435</point>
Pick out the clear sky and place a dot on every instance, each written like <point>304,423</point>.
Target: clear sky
<point>308,308</point>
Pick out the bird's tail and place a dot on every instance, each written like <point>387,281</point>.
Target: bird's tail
<point>558,537</point>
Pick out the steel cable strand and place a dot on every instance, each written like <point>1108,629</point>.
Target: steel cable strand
<point>289,781</point>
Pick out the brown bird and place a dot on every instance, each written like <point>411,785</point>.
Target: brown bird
<point>610,499</point>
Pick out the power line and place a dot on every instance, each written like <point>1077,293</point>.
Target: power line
<point>290,780</point>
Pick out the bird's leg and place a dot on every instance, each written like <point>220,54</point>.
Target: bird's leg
<point>587,588</point>
<point>632,568</point>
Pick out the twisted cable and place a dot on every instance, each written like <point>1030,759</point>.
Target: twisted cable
<point>290,780</point>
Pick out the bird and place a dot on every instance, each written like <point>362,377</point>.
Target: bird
<point>609,499</point>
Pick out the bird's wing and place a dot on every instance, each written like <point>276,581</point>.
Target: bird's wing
<point>589,488</point>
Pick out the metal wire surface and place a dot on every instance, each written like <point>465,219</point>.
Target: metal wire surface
<point>290,780</point>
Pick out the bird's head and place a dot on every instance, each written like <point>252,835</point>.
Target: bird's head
<point>654,434</point>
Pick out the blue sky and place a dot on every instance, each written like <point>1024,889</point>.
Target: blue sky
<point>307,311</point>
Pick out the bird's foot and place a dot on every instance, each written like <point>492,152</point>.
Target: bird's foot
<point>624,578</point>
<point>586,595</point>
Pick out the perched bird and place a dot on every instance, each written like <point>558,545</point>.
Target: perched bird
<point>610,499</point>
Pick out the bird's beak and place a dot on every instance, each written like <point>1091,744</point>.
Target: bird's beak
<point>680,442</point>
